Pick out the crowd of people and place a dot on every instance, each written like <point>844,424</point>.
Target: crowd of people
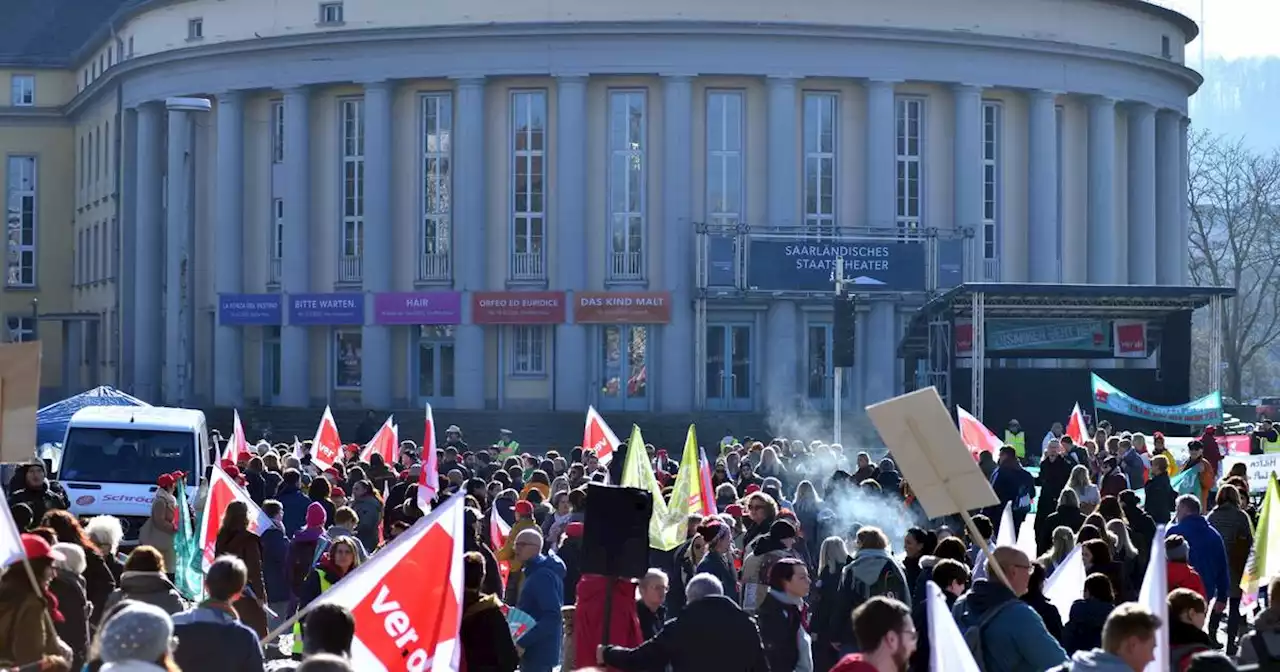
<point>781,578</point>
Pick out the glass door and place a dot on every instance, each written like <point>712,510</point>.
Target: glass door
<point>624,371</point>
<point>729,382</point>
<point>270,366</point>
<point>433,355</point>
<point>819,372</point>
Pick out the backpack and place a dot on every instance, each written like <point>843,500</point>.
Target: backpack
<point>883,586</point>
<point>301,560</point>
<point>973,635</point>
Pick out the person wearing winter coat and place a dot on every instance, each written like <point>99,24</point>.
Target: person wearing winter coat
<point>98,580</point>
<point>873,572</point>
<point>68,587</point>
<point>711,633</point>
<point>1236,530</point>
<point>211,637</point>
<point>234,538</point>
<point>1208,553</point>
<point>1262,646</point>
<point>524,521</point>
<point>1178,573</point>
<point>164,521</point>
<point>824,616</point>
<point>345,523</point>
<point>1036,598</point>
<point>106,532</point>
<point>1066,515</point>
<point>144,580</point>
<point>716,562</point>
<point>137,638</point>
<point>763,553</point>
<point>293,500</point>
<point>275,563</point>
<point>541,596</point>
<point>1128,643</point>
<point>953,578</point>
<point>340,560</point>
<point>368,509</point>
<point>1013,638</point>
<point>28,618</point>
<point>485,635</point>
<point>39,493</point>
<point>1083,631</point>
<point>1187,614</point>
<point>787,645</point>
<point>305,548</point>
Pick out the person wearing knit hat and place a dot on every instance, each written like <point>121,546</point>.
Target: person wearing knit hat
<point>761,555</point>
<point>717,562</point>
<point>523,510</point>
<point>1178,569</point>
<point>166,517</point>
<point>138,637</point>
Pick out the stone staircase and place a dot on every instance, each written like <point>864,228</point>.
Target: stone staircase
<point>540,430</point>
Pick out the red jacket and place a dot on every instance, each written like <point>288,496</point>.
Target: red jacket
<point>853,663</point>
<point>1181,575</point>
<point>588,617</point>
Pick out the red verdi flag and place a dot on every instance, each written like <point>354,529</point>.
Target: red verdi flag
<point>1076,427</point>
<point>429,477</point>
<point>598,437</point>
<point>223,491</point>
<point>384,443</point>
<point>326,448</point>
<point>238,450</point>
<point>406,599</point>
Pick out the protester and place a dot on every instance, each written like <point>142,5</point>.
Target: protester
<point>1208,554</point>
<point>98,579</point>
<point>541,596</point>
<point>1262,645</point>
<point>163,522</point>
<point>68,588</point>
<point>106,532</point>
<point>330,630</point>
<point>275,563</point>
<point>38,493</point>
<point>886,637</point>
<point>211,637</point>
<point>1128,643</point>
<point>29,618</point>
<point>234,538</point>
<point>650,607</point>
<point>485,636</point>
<point>1083,630</point>
<point>138,638</point>
<point>1236,530</point>
<point>1013,637</point>
<point>787,644</point>
<point>144,580</point>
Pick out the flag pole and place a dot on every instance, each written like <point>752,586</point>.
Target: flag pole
<point>992,565</point>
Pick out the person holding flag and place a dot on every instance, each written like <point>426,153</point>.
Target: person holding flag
<point>341,559</point>
<point>160,528</point>
<point>27,617</point>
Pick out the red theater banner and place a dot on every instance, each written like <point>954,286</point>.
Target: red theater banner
<point>517,308</point>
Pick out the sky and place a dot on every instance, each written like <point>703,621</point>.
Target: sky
<point>1231,28</point>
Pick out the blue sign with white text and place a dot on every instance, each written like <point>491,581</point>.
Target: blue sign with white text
<point>249,309</point>
<point>806,266</point>
<point>327,309</point>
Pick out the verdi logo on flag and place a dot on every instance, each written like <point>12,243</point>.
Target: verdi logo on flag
<point>598,437</point>
<point>326,447</point>
<point>1206,410</point>
<point>223,491</point>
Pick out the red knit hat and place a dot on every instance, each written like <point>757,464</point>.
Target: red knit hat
<point>734,510</point>
<point>752,489</point>
<point>337,492</point>
<point>524,507</point>
<point>574,530</point>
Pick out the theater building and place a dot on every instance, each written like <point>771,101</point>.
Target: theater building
<point>632,205</point>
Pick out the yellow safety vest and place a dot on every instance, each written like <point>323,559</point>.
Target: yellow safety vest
<point>726,443</point>
<point>1018,441</point>
<point>507,449</point>
<point>1271,446</point>
<point>297,627</point>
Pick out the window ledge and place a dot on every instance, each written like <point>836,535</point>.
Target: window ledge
<point>527,376</point>
<point>638,283</point>
<point>195,39</point>
<point>442,283</point>
<point>348,285</point>
<point>540,283</point>
<point>330,24</point>
<point>22,288</point>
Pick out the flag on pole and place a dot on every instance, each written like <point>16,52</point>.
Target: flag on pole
<point>223,491</point>
<point>384,443</point>
<point>407,598</point>
<point>1154,596</point>
<point>189,574</point>
<point>326,447</point>
<point>976,435</point>
<point>637,472</point>
<point>429,477</point>
<point>10,536</point>
<point>298,449</point>
<point>948,651</point>
<point>598,438</point>
<point>686,494</point>
<point>708,490</point>
<point>1006,535</point>
<point>1062,588</point>
<point>499,530</point>
<point>238,447</point>
<point>1264,557</point>
<point>1076,427</point>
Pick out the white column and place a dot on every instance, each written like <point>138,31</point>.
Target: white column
<point>783,355</point>
<point>228,342</point>
<point>379,245</point>
<point>784,153</point>
<point>148,257</point>
<point>295,272</point>
<point>1142,195</point>
<point>179,286</point>
<point>967,170</point>
<point>1169,198</point>
<point>1103,254</point>
<point>881,156</point>
<point>1042,188</point>
<point>1184,222</point>
<point>571,238</point>
<point>678,235</point>
<point>470,217</point>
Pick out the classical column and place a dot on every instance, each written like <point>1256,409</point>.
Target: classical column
<point>148,255</point>
<point>228,245</point>
<point>470,224</point>
<point>678,263</point>
<point>784,153</point>
<point>1103,254</point>
<point>882,213</point>
<point>1183,259</point>
<point>967,170</point>
<point>1169,197</point>
<point>571,235</point>
<point>1043,245</point>
<point>1142,195</point>
<point>782,355</point>
<point>179,286</point>
<point>295,271</point>
<point>379,247</point>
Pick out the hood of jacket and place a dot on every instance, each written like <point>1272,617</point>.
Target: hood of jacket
<point>1100,660</point>
<point>868,563</point>
<point>145,582</point>
<point>474,603</point>
<point>984,595</point>
<point>548,562</point>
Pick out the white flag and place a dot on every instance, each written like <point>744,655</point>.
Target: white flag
<point>10,536</point>
<point>947,650</point>
<point>1007,535</point>
<point>1154,596</point>
<point>1066,584</point>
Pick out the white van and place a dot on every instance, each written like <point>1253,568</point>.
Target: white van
<point>112,456</point>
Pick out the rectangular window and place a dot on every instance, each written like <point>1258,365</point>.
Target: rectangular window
<point>88,169</point>
<point>21,222</point>
<point>437,202</point>
<point>910,159</point>
<point>992,123</point>
<point>528,186</point>
<point>81,161</point>
<point>130,46</point>
<point>115,247</point>
<point>195,29</point>
<point>277,238</point>
<point>22,328</point>
<point>352,190</point>
<point>111,56</point>
<point>628,184</point>
<point>331,13</point>
<point>102,62</point>
<point>819,164</point>
<point>22,90</point>
<point>108,146</point>
<point>528,350</point>
<point>97,165</point>
<point>1166,48</point>
<point>724,157</point>
<point>277,131</point>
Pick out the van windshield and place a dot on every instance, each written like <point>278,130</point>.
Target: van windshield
<point>126,455</point>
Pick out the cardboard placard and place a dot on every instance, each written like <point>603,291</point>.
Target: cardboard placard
<point>19,400</point>
<point>929,452</point>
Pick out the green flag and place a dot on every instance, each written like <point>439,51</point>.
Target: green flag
<point>637,472</point>
<point>1264,558</point>
<point>188,574</point>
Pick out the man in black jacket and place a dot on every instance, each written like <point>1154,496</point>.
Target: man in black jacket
<point>37,492</point>
<point>1055,471</point>
<point>712,633</point>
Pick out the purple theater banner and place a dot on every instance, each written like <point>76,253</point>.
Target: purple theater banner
<point>415,308</point>
<point>345,308</point>
<point>249,309</point>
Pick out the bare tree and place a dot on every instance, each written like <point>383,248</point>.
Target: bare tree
<point>1234,198</point>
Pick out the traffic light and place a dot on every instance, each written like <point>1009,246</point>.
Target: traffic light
<point>844,332</point>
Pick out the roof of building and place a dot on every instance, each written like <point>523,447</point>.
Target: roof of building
<point>54,32</point>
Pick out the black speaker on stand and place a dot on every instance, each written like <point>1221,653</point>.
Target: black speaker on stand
<point>615,537</point>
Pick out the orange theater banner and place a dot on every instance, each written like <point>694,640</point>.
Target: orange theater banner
<point>622,308</point>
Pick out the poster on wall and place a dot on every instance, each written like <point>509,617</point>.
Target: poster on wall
<point>347,354</point>
<point>1129,339</point>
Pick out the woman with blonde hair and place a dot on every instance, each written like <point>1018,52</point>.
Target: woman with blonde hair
<point>1063,541</point>
<point>806,504</point>
<point>1086,492</point>
<point>1125,553</point>
<point>825,620</point>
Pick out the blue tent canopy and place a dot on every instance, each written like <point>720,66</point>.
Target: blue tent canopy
<point>51,421</point>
